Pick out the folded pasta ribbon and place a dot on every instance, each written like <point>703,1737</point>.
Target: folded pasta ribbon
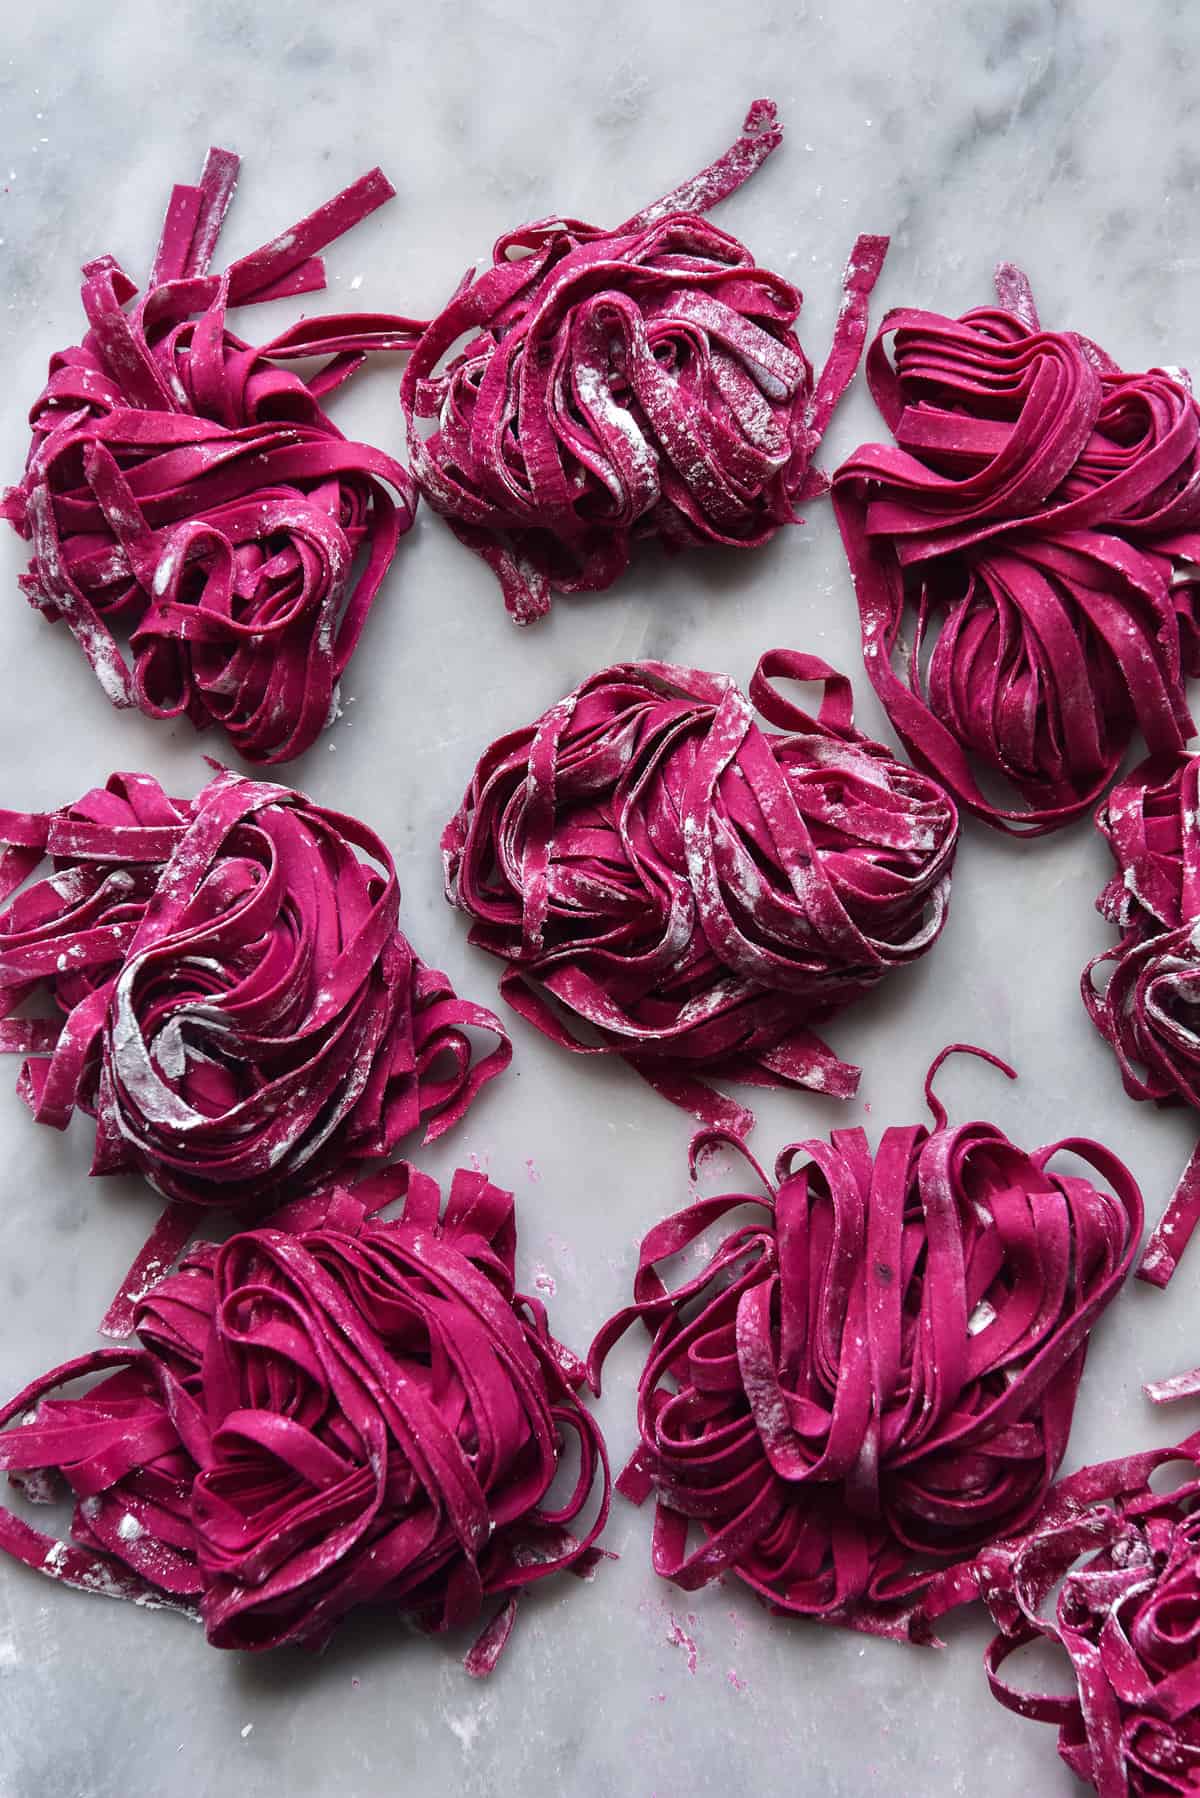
<point>1037,523</point>
<point>641,382</point>
<point>1148,1010</point>
<point>874,1373</point>
<point>240,1011</point>
<point>1126,1561</point>
<point>691,890</point>
<point>184,487</point>
<point>330,1411</point>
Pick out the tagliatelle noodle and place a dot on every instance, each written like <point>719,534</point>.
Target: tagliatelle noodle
<point>331,1411</point>
<point>241,1012</point>
<point>673,883</point>
<point>615,385</point>
<point>183,486</point>
<point>876,1375</point>
<point>1148,1010</point>
<point>1126,1561</point>
<point>1037,522</point>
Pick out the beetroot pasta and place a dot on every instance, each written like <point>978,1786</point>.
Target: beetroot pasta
<point>185,488</point>
<point>875,1374</point>
<point>1146,1010</point>
<point>1126,1561</point>
<point>330,1411</point>
<point>640,382</point>
<point>239,1010</point>
<point>670,882</point>
<point>1027,521</point>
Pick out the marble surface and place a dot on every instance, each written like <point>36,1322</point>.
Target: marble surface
<point>1056,134</point>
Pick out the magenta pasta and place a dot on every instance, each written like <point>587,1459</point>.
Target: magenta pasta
<point>1125,1560</point>
<point>1020,535</point>
<point>640,382</point>
<point>238,1008</point>
<point>187,491</point>
<point>333,1410</point>
<point>875,1374</point>
<point>1146,1008</point>
<point>671,882</point>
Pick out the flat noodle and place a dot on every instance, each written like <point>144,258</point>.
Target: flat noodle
<point>330,1411</point>
<point>691,890</point>
<point>242,1012</point>
<point>876,1374</point>
<point>1127,1615</point>
<point>1146,1011</point>
<point>183,486</point>
<point>1038,520</point>
<point>616,385</point>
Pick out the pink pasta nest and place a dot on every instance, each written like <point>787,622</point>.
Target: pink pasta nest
<point>1037,520</point>
<point>333,1410</point>
<point>1126,1561</point>
<point>875,1374</point>
<point>640,382</point>
<point>238,1008</point>
<point>1147,1011</point>
<point>185,489</point>
<point>672,883</point>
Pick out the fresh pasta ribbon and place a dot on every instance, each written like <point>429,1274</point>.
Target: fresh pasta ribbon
<point>186,488</point>
<point>617,385</point>
<point>670,882</point>
<point>241,1013</point>
<point>329,1411</point>
<point>1025,544</point>
<point>874,1374</point>
<point>1146,1010</point>
<point>1126,1561</point>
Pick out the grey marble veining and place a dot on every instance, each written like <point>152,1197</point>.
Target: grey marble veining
<point>1058,135</point>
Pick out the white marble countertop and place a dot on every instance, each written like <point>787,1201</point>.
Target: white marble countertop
<point>1057,135</point>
